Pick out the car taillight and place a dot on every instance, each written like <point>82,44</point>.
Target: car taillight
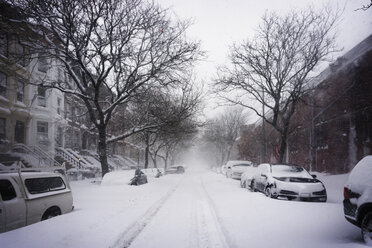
<point>346,193</point>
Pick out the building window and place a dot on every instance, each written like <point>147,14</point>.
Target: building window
<point>68,111</point>
<point>3,84</point>
<point>41,96</point>
<point>59,101</point>
<point>321,135</point>
<point>3,43</point>
<point>2,128</point>
<point>43,63</point>
<point>20,89</point>
<point>20,54</point>
<point>42,132</point>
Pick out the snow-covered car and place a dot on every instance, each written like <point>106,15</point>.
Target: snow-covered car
<point>246,178</point>
<point>288,181</point>
<point>235,168</point>
<point>30,197</point>
<point>175,170</point>
<point>358,198</point>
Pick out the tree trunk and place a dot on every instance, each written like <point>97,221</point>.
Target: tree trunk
<point>147,152</point>
<point>102,150</point>
<point>283,145</point>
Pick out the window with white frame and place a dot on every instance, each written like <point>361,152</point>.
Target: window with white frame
<point>20,89</point>
<point>42,131</point>
<point>41,96</point>
<point>20,54</point>
<point>43,62</point>
<point>3,84</point>
<point>68,110</point>
<point>3,43</point>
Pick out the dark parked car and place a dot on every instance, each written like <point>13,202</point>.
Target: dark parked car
<point>288,181</point>
<point>358,198</point>
<point>175,170</point>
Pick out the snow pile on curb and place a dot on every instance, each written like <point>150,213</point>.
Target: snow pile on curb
<point>123,177</point>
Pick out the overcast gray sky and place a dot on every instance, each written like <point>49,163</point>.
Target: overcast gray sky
<point>219,23</point>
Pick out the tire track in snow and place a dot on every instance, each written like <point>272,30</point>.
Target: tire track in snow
<point>133,230</point>
<point>212,232</point>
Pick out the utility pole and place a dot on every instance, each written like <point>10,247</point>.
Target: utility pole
<point>263,152</point>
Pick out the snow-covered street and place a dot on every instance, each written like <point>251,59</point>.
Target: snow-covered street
<point>197,209</point>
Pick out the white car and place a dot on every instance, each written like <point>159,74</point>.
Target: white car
<point>235,168</point>
<point>358,198</point>
<point>30,197</point>
<point>288,181</point>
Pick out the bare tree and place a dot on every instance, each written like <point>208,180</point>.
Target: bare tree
<point>223,131</point>
<point>111,50</point>
<point>273,68</point>
<point>174,109</point>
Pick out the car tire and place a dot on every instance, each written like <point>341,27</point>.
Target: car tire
<point>366,228</point>
<point>242,184</point>
<point>247,186</point>
<point>50,213</point>
<point>253,189</point>
<point>268,192</point>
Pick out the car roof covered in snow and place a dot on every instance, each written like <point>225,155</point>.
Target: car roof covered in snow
<point>361,175</point>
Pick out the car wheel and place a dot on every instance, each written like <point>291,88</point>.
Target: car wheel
<point>252,187</point>
<point>247,186</point>
<point>242,184</point>
<point>366,227</point>
<point>268,192</point>
<point>50,213</point>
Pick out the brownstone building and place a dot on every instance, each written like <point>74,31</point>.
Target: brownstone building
<point>332,127</point>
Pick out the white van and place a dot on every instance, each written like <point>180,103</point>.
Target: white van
<point>29,197</point>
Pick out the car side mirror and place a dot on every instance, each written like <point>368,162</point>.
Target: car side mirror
<point>314,176</point>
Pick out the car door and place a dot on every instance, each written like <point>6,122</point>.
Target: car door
<point>262,177</point>
<point>13,206</point>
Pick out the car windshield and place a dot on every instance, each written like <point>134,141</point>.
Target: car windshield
<point>242,165</point>
<point>289,171</point>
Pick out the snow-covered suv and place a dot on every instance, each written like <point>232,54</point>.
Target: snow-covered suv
<point>358,198</point>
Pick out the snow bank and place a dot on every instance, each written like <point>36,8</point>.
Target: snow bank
<point>122,177</point>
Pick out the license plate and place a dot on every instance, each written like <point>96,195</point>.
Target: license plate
<point>305,195</point>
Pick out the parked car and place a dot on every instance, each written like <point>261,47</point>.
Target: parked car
<point>288,181</point>
<point>246,178</point>
<point>175,170</point>
<point>358,198</point>
<point>30,197</point>
<point>235,168</point>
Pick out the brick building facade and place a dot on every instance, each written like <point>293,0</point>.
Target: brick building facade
<point>331,129</point>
